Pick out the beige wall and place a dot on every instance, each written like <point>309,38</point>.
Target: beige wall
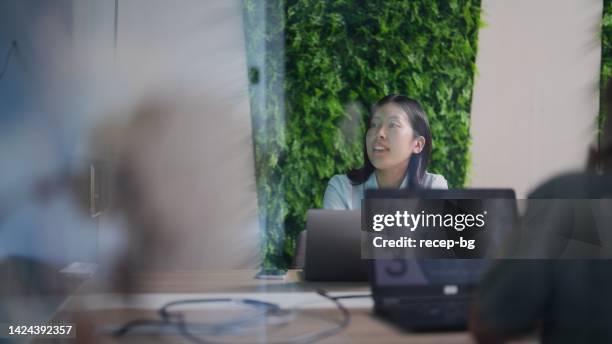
<point>205,184</point>
<point>536,94</point>
<point>192,152</point>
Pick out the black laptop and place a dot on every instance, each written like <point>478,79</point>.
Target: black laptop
<point>432,294</point>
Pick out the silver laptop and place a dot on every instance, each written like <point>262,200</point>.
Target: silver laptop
<point>333,246</point>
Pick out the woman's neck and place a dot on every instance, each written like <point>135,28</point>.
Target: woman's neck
<point>392,177</point>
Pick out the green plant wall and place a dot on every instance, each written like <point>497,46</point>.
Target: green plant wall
<point>606,56</point>
<point>339,58</point>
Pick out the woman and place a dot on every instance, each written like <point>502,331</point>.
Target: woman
<point>396,154</point>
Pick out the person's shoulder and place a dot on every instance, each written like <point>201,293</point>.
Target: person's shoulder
<point>340,181</point>
<point>342,185</point>
<point>435,181</point>
<point>338,193</point>
<point>434,176</point>
<point>574,185</point>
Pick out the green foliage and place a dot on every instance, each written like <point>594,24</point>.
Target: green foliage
<point>606,56</point>
<point>341,57</point>
<point>264,26</point>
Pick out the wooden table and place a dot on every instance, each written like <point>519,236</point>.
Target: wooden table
<point>92,307</point>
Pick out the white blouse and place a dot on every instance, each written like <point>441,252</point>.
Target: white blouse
<point>341,194</point>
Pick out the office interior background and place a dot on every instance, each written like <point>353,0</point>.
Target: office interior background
<point>231,116</point>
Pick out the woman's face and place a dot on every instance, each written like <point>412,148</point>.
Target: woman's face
<point>391,140</point>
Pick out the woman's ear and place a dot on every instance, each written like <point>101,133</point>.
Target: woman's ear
<point>419,145</point>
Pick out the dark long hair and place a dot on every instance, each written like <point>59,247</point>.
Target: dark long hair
<point>418,162</point>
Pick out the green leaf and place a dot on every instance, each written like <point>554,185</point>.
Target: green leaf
<point>320,56</point>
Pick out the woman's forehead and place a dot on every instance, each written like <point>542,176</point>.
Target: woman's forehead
<point>390,111</point>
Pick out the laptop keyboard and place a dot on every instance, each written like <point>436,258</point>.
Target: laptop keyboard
<point>438,313</point>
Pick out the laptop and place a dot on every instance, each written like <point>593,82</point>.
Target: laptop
<point>434,294</point>
<point>333,246</point>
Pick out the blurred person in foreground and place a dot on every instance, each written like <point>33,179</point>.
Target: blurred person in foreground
<point>180,186</point>
<point>566,297</point>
